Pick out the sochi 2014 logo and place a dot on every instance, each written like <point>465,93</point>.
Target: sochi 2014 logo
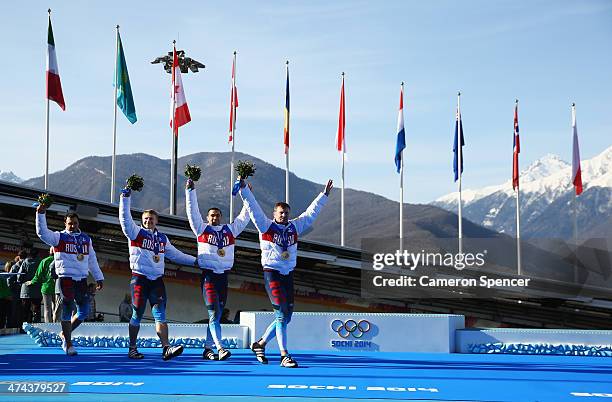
<point>351,328</point>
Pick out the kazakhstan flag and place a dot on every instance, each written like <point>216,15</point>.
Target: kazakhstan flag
<point>125,100</point>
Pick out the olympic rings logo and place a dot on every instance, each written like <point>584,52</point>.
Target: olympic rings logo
<point>351,328</point>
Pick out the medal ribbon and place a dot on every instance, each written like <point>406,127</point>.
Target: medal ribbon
<point>220,238</point>
<point>284,237</point>
<point>155,243</point>
<point>78,240</point>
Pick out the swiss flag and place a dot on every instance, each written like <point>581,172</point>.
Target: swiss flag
<point>180,111</point>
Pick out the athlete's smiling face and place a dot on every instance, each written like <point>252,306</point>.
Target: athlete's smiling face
<point>72,224</point>
<point>281,214</point>
<point>149,220</point>
<point>214,217</point>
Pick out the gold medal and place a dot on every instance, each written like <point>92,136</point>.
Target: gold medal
<point>285,255</point>
<point>80,257</point>
<point>221,252</point>
<point>156,258</point>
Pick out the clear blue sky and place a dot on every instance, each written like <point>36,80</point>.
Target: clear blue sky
<point>546,53</point>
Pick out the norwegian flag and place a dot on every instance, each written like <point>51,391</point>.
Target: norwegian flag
<point>180,111</point>
<point>517,150</point>
<point>233,102</point>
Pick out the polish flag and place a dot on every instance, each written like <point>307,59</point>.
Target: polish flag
<point>179,107</point>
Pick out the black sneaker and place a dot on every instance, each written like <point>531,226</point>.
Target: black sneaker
<point>224,354</point>
<point>260,352</point>
<point>135,354</point>
<point>171,352</point>
<point>287,361</point>
<point>208,354</point>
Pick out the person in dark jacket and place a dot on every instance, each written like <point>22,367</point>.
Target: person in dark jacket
<point>30,295</point>
<point>5,299</point>
<point>16,315</point>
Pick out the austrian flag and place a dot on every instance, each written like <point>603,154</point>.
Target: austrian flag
<point>180,111</point>
<point>54,85</point>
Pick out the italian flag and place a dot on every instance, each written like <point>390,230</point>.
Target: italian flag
<point>54,85</point>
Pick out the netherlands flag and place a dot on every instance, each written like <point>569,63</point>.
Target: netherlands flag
<point>400,145</point>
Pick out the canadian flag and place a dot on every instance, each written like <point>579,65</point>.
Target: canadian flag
<point>178,106</point>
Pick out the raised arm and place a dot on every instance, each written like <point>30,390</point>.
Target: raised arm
<point>193,212</point>
<point>43,232</point>
<point>129,228</point>
<point>261,221</point>
<point>93,266</point>
<point>177,256</point>
<point>306,219</point>
<point>241,221</point>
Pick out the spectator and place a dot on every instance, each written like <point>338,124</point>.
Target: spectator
<point>237,317</point>
<point>44,278</point>
<point>5,299</point>
<point>125,309</point>
<point>16,315</point>
<point>30,294</point>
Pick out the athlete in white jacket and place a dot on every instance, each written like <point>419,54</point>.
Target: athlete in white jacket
<point>278,242</point>
<point>148,250</point>
<point>216,257</point>
<point>74,258</point>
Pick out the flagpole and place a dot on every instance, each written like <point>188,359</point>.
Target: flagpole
<point>518,215</point>
<point>342,192</point>
<point>575,205</point>
<point>401,206</point>
<point>233,134</point>
<point>47,151</point>
<point>173,170</point>
<point>47,131</point>
<point>459,168</point>
<point>112,191</point>
<point>286,147</point>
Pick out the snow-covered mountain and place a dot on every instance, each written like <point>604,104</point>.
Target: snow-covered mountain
<point>10,177</point>
<point>546,199</point>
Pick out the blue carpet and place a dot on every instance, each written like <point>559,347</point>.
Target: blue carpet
<point>107,374</point>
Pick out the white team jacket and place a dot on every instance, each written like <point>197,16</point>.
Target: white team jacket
<point>142,245</point>
<point>208,236</point>
<point>65,250</point>
<point>271,234</point>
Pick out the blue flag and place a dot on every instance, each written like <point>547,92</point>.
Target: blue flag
<point>125,100</point>
<point>400,145</point>
<point>458,134</point>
